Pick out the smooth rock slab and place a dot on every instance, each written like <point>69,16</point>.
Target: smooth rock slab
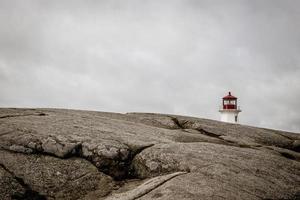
<point>219,170</point>
<point>56,178</point>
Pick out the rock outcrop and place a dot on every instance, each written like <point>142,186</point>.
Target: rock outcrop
<point>70,154</point>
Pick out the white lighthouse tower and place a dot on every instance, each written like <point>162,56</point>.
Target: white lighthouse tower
<point>229,110</point>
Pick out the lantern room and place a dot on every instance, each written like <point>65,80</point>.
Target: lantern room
<point>229,110</point>
<point>229,102</point>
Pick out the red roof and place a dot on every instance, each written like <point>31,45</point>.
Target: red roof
<point>229,96</point>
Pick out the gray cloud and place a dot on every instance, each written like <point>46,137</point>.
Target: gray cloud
<point>154,56</point>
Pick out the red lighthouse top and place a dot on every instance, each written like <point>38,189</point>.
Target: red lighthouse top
<point>229,96</point>
<point>229,102</point>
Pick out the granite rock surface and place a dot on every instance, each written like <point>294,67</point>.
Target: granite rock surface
<point>72,154</point>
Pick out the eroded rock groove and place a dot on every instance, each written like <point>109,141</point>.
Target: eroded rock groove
<point>29,193</point>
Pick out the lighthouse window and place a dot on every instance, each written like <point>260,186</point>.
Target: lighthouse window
<point>226,102</point>
<point>235,118</point>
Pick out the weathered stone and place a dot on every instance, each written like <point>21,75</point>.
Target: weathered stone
<point>56,178</point>
<point>60,148</point>
<point>296,145</point>
<point>9,186</point>
<point>144,188</point>
<point>240,168</point>
<point>69,154</point>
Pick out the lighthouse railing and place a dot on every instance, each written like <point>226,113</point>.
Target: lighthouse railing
<point>221,107</point>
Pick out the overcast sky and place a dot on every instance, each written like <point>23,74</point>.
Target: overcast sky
<point>166,56</point>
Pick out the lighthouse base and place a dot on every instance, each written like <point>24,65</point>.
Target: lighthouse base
<point>230,116</point>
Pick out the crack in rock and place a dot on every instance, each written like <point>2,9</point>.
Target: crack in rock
<point>289,154</point>
<point>177,123</point>
<point>296,146</point>
<point>183,125</point>
<point>210,134</point>
<point>23,115</point>
<point>144,188</point>
<point>29,193</point>
<point>113,161</point>
<point>6,133</point>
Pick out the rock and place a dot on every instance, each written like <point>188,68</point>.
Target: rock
<point>144,188</point>
<point>9,186</point>
<point>60,148</point>
<point>296,145</point>
<point>56,178</point>
<point>284,152</point>
<point>217,165</point>
<point>71,154</point>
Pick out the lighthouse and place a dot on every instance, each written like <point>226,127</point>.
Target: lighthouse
<point>229,109</point>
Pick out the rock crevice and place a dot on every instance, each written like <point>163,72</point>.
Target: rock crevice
<point>144,188</point>
<point>29,193</point>
<point>22,115</point>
